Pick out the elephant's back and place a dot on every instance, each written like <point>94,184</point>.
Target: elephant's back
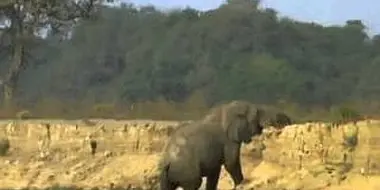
<point>194,142</point>
<point>179,156</point>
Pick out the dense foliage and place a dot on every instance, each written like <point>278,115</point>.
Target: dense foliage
<point>129,56</point>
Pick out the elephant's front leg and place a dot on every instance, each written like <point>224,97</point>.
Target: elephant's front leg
<point>232,163</point>
<point>213,179</point>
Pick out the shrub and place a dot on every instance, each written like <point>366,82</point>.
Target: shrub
<point>103,110</point>
<point>348,114</point>
<point>24,114</point>
<point>4,146</point>
<point>345,114</point>
<point>350,137</point>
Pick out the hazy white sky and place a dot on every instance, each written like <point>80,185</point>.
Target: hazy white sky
<point>321,11</point>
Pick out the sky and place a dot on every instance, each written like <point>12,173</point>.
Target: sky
<point>325,12</point>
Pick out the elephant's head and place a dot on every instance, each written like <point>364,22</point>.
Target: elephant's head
<point>255,118</point>
<point>241,120</point>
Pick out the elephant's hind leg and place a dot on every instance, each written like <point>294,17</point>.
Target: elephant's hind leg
<point>213,179</point>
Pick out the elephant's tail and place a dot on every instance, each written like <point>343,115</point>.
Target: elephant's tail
<point>164,178</point>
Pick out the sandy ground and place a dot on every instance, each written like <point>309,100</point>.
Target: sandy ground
<point>26,169</point>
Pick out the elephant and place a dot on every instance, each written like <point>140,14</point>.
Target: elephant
<point>276,118</point>
<point>199,149</point>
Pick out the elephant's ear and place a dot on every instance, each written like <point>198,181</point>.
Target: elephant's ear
<point>234,121</point>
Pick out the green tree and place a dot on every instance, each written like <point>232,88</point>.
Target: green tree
<point>28,18</point>
<point>238,51</point>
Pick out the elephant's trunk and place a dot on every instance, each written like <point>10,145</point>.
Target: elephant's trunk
<point>164,178</point>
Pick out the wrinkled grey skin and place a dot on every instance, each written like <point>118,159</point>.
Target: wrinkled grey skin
<point>199,149</point>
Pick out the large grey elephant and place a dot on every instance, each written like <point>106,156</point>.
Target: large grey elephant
<point>199,149</point>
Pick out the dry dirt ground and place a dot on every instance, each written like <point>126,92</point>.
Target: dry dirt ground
<point>127,157</point>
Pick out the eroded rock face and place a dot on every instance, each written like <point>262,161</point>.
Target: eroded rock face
<point>307,156</point>
<point>299,146</point>
<point>132,135</point>
<point>295,146</point>
<point>317,156</point>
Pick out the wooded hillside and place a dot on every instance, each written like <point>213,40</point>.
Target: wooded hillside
<point>130,58</point>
